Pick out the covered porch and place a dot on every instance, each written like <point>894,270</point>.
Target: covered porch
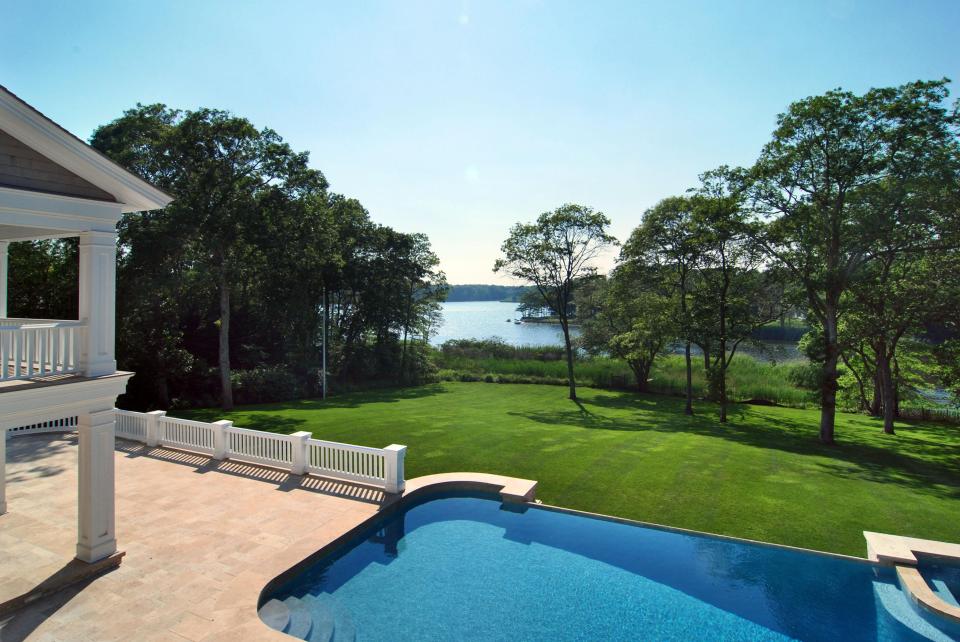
<point>62,373</point>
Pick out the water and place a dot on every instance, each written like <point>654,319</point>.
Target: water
<point>488,319</point>
<point>467,568</point>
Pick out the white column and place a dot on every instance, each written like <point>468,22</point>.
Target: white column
<point>220,440</point>
<point>3,471</point>
<point>393,468</point>
<point>98,269</point>
<point>4,246</point>
<point>298,442</point>
<point>96,538</point>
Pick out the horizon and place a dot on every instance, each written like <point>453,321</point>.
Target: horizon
<point>458,120</point>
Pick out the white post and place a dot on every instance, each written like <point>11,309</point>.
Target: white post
<point>395,454</point>
<point>153,427</point>
<point>3,471</point>
<point>220,438</point>
<point>98,269</point>
<point>96,517</point>
<point>298,442</point>
<point>4,265</point>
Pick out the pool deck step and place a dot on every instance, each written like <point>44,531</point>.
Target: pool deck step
<point>275,614</point>
<point>300,623</point>
<point>331,620</point>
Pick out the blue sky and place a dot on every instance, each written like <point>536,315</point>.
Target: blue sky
<point>459,118</point>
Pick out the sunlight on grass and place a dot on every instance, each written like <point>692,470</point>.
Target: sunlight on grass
<point>763,475</point>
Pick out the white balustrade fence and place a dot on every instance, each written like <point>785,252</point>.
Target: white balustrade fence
<point>38,348</point>
<point>189,435</point>
<point>298,453</point>
<point>60,424</point>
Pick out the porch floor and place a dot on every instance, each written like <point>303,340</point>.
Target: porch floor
<point>202,539</point>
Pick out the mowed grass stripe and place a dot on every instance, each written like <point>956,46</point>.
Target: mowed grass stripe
<point>763,475</point>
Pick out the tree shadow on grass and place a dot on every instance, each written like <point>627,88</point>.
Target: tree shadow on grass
<point>922,457</point>
<point>287,424</point>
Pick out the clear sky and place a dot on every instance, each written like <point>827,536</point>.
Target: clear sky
<point>459,118</point>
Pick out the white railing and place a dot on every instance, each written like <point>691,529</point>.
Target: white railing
<point>357,463</point>
<point>188,435</point>
<point>260,447</point>
<point>298,453</point>
<point>38,348</point>
<point>60,424</point>
<point>131,425</point>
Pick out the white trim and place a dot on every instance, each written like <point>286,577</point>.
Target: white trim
<point>41,134</point>
<point>50,212</point>
<point>33,404</point>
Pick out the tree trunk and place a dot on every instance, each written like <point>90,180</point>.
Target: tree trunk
<point>226,390</point>
<point>564,323</point>
<point>886,391</point>
<point>876,404</point>
<point>641,374</point>
<point>688,409</point>
<point>828,388</point>
<point>722,357</point>
<point>723,391</point>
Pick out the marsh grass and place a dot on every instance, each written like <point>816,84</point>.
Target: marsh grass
<point>749,379</point>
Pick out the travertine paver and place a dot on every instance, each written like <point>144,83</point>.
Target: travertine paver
<point>202,538</point>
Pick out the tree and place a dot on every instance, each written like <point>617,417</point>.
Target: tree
<point>736,297</point>
<point>630,318</point>
<point>219,168</point>
<point>810,185</point>
<point>43,279</point>
<point>665,239</point>
<point>552,254</point>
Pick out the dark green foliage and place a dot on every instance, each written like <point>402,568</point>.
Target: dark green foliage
<point>273,383</point>
<point>481,292</point>
<point>43,279</point>
<point>223,290</point>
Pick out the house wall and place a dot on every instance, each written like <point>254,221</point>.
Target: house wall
<point>23,168</point>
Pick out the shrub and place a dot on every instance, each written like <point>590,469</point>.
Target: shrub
<point>269,383</point>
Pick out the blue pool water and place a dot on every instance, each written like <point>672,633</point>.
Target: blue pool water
<point>469,568</point>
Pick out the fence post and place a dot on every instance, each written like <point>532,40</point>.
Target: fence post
<point>298,444</point>
<point>153,427</point>
<point>393,469</point>
<point>220,438</point>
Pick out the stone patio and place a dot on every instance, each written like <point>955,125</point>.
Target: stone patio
<point>202,538</point>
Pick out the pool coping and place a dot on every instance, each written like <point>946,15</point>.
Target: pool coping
<point>901,553</point>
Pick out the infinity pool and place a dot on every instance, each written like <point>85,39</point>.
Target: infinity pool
<point>470,568</point>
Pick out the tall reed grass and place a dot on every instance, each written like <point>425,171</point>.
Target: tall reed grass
<point>747,378</point>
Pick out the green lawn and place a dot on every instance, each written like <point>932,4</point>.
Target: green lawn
<point>761,476</point>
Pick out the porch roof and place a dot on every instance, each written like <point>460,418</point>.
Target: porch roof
<point>29,126</point>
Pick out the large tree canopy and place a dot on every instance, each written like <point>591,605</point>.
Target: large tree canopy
<point>840,172</point>
<point>235,271</point>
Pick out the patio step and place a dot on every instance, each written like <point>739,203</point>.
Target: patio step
<point>301,618</point>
